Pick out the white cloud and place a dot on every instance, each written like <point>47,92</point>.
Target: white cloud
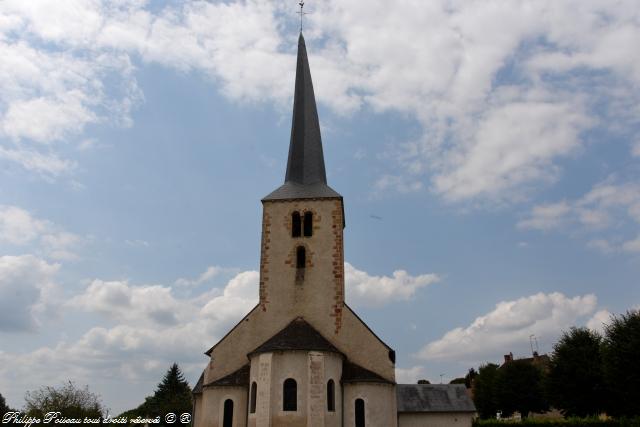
<point>508,327</point>
<point>497,111</point>
<point>599,319</point>
<point>19,227</point>
<point>46,164</point>
<point>545,217</point>
<point>59,245</point>
<point>240,295</point>
<point>132,304</point>
<point>632,245</point>
<point>137,243</point>
<point>502,90</point>
<point>601,245</point>
<point>50,90</point>
<point>409,375</point>
<point>211,272</point>
<point>607,197</point>
<point>363,289</point>
<point>56,117</point>
<point>152,306</point>
<point>397,183</point>
<point>27,292</point>
<point>153,326</point>
<point>514,144</point>
<point>608,207</point>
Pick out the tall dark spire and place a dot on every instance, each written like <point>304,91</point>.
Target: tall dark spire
<point>305,176</point>
<point>306,162</point>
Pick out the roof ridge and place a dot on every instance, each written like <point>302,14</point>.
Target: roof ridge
<point>297,335</point>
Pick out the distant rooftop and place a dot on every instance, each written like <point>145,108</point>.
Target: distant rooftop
<point>433,398</point>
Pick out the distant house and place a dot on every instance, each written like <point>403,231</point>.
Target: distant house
<point>541,361</point>
<point>434,405</point>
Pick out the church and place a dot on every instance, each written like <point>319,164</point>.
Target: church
<point>302,356</point>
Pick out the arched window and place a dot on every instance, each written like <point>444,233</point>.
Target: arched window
<point>308,224</point>
<point>254,394</point>
<point>290,395</point>
<point>296,224</point>
<point>301,257</point>
<point>331,396</point>
<point>359,413</point>
<point>227,420</point>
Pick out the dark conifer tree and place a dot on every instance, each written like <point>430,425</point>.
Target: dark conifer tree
<point>3,406</point>
<point>173,393</point>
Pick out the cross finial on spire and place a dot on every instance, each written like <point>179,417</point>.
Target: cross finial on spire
<point>301,13</point>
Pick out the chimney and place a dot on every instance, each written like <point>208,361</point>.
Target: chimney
<point>508,357</point>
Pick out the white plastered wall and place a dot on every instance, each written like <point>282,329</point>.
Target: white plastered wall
<point>270,370</point>
<point>379,403</point>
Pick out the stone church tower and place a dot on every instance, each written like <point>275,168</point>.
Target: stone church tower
<point>301,357</point>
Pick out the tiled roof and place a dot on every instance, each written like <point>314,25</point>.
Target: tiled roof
<point>237,378</point>
<point>433,398</point>
<point>297,335</point>
<point>292,190</point>
<point>352,373</point>
<point>198,387</point>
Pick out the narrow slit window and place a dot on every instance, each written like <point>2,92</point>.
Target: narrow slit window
<point>308,224</point>
<point>331,396</point>
<point>227,420</point>
<point>360,422</point>
<point>290,395</point>
<point>296,224</point>
<point>254,395</point>
<point>301,257</point>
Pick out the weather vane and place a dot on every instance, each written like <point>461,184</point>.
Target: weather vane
<point>301,13</point>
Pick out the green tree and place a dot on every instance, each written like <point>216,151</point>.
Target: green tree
<point>468,379</point>
<point>459,380</point>
<point>3,406</point>
<point>520,387</point>
<point>69,400</point>
<point>173,394</point>
<point>620,354</point>
<point>484,390</point>
<point>575,383</point>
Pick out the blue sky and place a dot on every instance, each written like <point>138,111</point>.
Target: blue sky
<point>488,153</point>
